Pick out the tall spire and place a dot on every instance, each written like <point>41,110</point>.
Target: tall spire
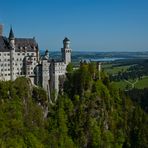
<point>11,34</point>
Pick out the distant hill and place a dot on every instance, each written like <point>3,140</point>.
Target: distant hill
<point>78,55</point>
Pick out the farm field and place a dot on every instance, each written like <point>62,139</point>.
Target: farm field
<point>113,69</point>
<point>110,69</point>
<point>142,83</point>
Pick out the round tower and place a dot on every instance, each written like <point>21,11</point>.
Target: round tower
<point>12,54</point>
<point>66,51</point>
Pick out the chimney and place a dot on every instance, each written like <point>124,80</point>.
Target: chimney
<point>1,29</point>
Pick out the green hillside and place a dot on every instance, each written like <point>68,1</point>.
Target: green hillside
<point>88,113</point>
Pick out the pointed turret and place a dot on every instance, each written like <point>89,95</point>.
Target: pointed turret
<point>11,34</point>
<point>46,56</point>
<point>11,39</point>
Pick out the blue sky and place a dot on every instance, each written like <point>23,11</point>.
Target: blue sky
<point>101,25</point>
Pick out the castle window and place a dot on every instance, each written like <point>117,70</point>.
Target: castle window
<point>5,74</point>
<point>8,54</point>
<point>23,53</point>
<point>8,59</point>
<point>18,54</point>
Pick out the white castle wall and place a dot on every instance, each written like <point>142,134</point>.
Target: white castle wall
<point>4,65</point>
<point>45,74</point>
<point>17,64</point>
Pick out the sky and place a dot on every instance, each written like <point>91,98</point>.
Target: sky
<point>91,25</point>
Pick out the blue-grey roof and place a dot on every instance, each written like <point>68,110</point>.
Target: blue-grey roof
<point>11,34</point>
<point>66,39</point>
<point>21,44</point>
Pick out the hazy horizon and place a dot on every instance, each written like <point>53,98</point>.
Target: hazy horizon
<point>92,50</point>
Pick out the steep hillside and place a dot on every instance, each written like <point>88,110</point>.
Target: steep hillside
<point>89,113</point>
<point>21,116</point>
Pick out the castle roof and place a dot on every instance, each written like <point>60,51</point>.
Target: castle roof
<point>26,44</point>
<point>66,39</point>
<point>4,44</point>
<point>21,44</point>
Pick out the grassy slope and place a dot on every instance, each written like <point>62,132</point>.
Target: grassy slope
<point>122,84</point>
<point>114,70</point>
<point>143,83</point>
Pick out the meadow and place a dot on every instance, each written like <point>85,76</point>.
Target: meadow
<point>114,69</point>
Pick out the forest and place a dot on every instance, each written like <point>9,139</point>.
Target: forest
<point>90,112</point>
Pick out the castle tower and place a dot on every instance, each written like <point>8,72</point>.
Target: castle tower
<point>66,51</point>
<point>12,54</point>
<point>45,71</point>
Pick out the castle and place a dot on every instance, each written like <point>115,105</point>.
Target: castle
<point>20,57</point>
